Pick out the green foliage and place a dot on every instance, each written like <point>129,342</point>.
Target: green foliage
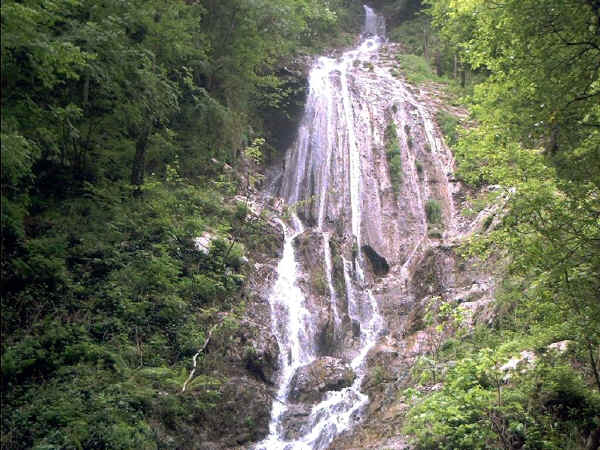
<point>430,54</point>
<point>433,211</point>
<point>441,319</point>
<point>545,407</point>
<point>113,115</point>
<point>102,305</point>
<point>415,69</point>
<point>254,155</point>
<point>410,34</point>
<point>542,147</point>
<point>533,138</point>
<point>394,156</point>
<point>378,374</point>
<point>419,167</point>
<point>396,171</point>
<point>545,404</point>
<point>449,125</point>
<point>319,284</point>
<point>479,203</point>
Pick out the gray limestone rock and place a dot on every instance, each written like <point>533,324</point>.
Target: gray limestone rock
<point>324,374</point>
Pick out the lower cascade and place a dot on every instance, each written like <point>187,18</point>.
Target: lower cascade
<point>352,227</point>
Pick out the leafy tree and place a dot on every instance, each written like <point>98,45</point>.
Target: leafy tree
<point>536,136</point>
<point>552,229</point>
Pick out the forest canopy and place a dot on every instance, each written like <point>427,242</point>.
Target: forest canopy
<point>534,133</point>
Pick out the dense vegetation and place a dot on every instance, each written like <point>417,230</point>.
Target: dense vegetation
<point>127,128</point>
<point>532,72</point>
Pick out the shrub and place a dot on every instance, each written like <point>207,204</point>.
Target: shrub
<point>391,139</point>
<point>396,170</point>
<point>119,286</point>
<point>449,125</point>
<point>392,151</point>
<point>433,210</point>
<point>410,34</point>
<point>548,406</point>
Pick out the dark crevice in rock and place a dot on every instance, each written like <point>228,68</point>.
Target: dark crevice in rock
<point>326,339</point>
<point>256,367</point>
<point>379,264</point>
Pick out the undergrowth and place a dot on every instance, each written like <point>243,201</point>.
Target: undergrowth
<point>548,403</point>
<point>449,124</point>
<point>106,304</point>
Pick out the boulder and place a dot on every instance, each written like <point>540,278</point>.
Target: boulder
<point>324,374</point>
<point>262,360</point>
<point>203,242</point>
<point>296,421</point>
<point>232,424</point>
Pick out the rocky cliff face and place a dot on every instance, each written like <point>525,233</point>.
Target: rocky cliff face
<point>370,242</point>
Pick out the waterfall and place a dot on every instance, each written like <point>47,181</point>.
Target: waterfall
<point>291,322</point>
<point>336,182</point>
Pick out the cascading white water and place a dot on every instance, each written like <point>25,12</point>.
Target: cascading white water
<point>329,123</point>
<point>374,23</point>
<point>292,327</point>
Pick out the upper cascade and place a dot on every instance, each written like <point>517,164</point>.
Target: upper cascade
<point>374,23</point>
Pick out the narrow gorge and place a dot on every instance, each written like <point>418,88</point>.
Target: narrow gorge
<point>369,229</point>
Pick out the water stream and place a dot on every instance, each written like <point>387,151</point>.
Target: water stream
<point>338,189</point>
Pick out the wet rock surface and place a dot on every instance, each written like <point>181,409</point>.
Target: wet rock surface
<point>391,251</point>
<point>245,413</point>
<point>242,353</point>
<point>259,352</point>
<point>310,382</point>
<point>296,420</point>
<point>425,267</point>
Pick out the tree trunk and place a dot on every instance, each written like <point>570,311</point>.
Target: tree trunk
<point>139,160</point>
<point>593,442</point>
<point>438,64</point>
<point>594,366</point>
<point>425,42</point>
<point>455,66</point>
<point>86,89</point>
<point>552,146</point>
